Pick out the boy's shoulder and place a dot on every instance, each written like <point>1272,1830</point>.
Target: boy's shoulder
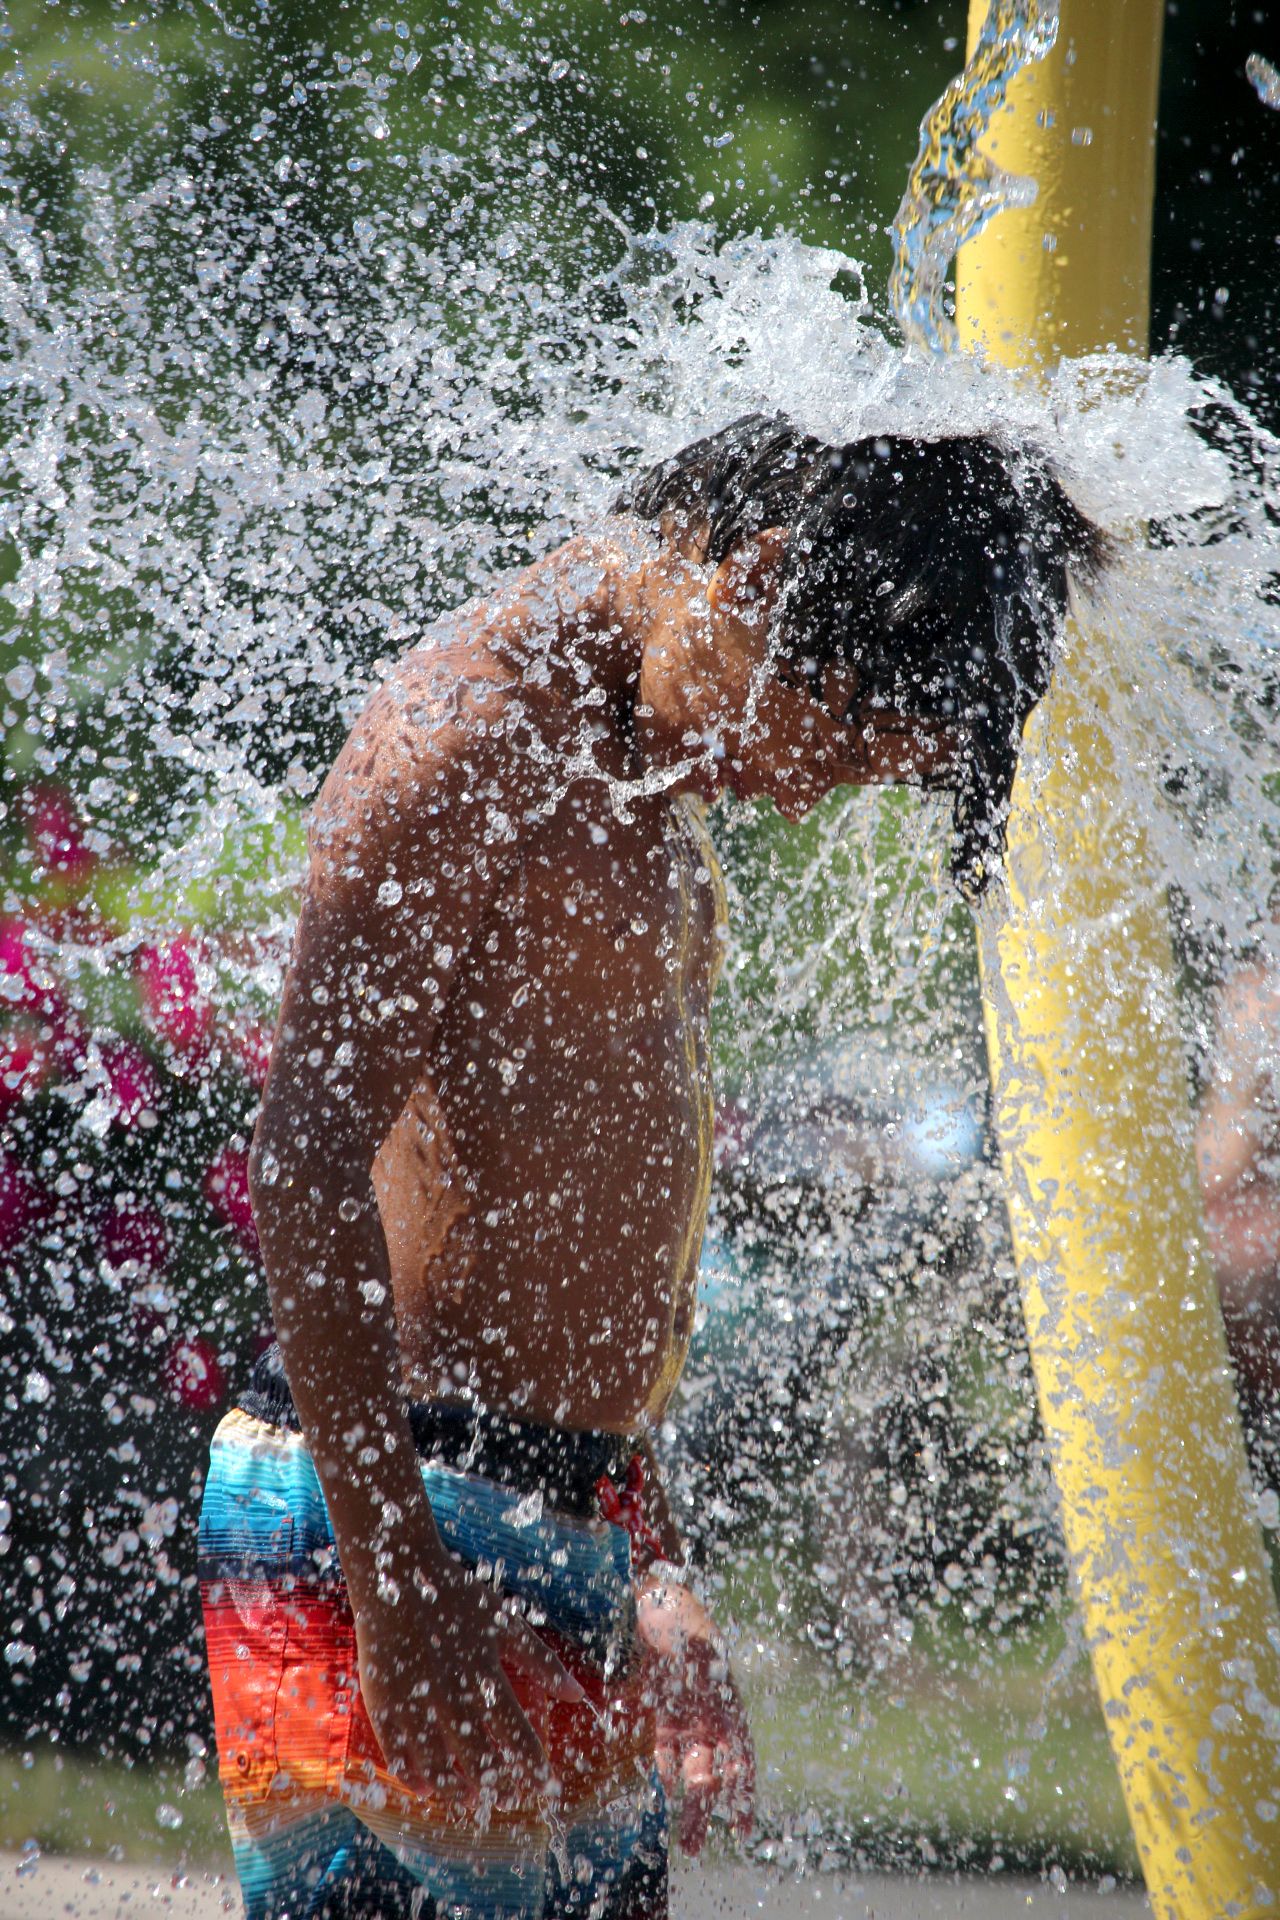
<point>498,643</point>
<point>471,732</point>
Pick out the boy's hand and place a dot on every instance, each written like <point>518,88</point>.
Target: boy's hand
<point>705,1755</point>
<point>441,1705</point>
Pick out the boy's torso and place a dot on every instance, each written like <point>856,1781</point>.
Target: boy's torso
<point>543,1193</point>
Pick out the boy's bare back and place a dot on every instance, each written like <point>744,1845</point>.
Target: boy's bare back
<point>542,1186</point>
<point>543,1191</point>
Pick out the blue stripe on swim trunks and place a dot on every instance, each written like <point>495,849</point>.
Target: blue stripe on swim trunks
<point>338,1865</point>
<point>264,1514</point>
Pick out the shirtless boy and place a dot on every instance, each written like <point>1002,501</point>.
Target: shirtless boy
<point>469,1677</point>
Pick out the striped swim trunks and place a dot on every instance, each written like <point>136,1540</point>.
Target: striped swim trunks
<point>319,1828</point>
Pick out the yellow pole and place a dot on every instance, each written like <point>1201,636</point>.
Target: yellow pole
<point>1091,1104</point>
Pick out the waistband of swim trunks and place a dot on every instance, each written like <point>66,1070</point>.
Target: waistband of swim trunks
<point>563,1464</point>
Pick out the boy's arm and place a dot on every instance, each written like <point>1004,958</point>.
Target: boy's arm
<point>406,852</point>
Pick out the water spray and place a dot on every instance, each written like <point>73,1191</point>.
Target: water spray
<point>1126,1334</point>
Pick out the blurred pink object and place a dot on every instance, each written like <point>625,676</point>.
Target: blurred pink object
<point>23,1202</point>
<point>135,1090</point>
<point>24,1065</point>
<point>137,1234</point>
<point>26,984</point>
<point>193,1375</point>
<point>175,1006</point>
<point>226,1188</point>
<point>57,832</point>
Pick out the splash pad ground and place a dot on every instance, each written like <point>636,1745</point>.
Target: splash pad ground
<point>98,1890</point>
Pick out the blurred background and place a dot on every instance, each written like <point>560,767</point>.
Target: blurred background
<point>855,1447</point>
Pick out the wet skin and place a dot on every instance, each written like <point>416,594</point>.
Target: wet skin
<point>543,1192</point>
<point>483,1159</point>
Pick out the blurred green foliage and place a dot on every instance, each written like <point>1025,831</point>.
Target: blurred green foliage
<point>847,919</point>
<point>800,115</point>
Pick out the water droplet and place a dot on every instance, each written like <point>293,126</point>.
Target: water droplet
<point>167,1815</point>
<point>1265,79</point>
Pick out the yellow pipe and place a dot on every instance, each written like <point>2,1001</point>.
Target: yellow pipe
<point>1071,273</point>
<point>1091,1103</point>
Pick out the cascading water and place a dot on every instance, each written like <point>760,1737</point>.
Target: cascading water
<point>277,395</point>
<point>954,189</point>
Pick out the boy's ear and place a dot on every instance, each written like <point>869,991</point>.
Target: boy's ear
<point>746,570</point>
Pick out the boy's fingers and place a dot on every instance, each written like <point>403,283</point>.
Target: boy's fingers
<point>520,1744</point>
<point>521,1647</point>
<point>702,1775</point>
<point>699,1766</point>
<point>502,1744</point>
<point>738,1792</point>
<point>424,1765</point>
<point>699,1797</point>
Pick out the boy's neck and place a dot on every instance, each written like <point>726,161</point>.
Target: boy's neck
<point>599,646</point>
<point>603,653</point>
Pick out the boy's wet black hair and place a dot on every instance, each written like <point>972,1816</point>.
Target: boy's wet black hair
<point>937,569</point>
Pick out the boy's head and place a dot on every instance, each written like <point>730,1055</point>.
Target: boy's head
<point>933,572</point>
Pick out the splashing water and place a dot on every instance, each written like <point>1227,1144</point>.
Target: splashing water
<point>254,445</point>
<point>222,529</point>
<point>1185,730</point>
<point>1265,79</point>
<point>953,189</point>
